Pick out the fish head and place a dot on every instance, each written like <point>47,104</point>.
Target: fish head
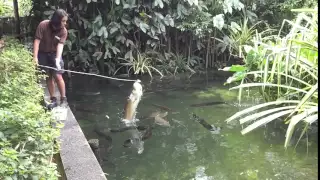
<point>137,88</point>
<point>160,121</point>
<point>164,114</point>
<point>154,114</point>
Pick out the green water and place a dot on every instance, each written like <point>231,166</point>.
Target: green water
<point>187,150</point>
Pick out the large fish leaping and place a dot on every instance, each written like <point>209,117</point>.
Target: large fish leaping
<point>132,103</point>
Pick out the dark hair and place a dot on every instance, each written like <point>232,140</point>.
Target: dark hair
<point>56,19</point>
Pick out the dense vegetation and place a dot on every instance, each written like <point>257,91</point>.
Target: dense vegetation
<point>170,36</point>
<point>26,135</point>
<point>285,69</point>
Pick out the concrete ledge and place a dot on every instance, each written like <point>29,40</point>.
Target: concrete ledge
<point>79,162</point>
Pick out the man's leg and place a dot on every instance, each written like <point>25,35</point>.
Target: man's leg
<point>43,60</point>
<point>61,84</point>
<point>50,85</point>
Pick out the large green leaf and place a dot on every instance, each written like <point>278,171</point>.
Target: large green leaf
<point>144,27</point>
<point>218,21</point>
<point>264,121</point>
<point>255,116</point>
<point>254,108</point>
<point>234,68</point>
<point>306,97</point>
<point>295,120</point>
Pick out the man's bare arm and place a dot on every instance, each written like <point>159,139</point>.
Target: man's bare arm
<point>59,50</point>
<point>36,50</point>
<point>60,45</point>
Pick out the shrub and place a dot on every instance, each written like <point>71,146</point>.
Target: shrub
<point>26,135</point>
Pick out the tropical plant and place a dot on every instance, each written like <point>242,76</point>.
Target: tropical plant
<point>140,64</point>
<point>286,74</point>
<point>239,35</point>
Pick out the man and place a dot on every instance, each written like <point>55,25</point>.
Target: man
<point>47,50</point>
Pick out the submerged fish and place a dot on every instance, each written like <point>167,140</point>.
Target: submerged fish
<point>145,136</point>
<point>207,104</point>
<point>205,124</point>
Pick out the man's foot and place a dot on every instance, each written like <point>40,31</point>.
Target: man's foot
<point>63,102</point>
<point>53,103</point>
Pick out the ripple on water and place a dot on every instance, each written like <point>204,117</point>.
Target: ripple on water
<point>179,149</point>
<point>201,175</point>
<point>183,134</point>
<point>191,147</point>
<point>284,169</point>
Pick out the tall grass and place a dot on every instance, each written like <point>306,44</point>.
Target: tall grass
<point>286,74</point>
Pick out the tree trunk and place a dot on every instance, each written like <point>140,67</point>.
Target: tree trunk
<point>177,42</point>
<point>214,60</point>
<point>169,42</point>
<point>207,53</point>
<point>189,49</point>
<point>17,18</point>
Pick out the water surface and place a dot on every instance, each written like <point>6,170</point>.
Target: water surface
<point>187,150</point>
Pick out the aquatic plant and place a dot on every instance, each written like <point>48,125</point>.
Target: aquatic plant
<point>286,74</point>
<point>26,135</point>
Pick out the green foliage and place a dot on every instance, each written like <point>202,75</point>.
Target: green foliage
<point>27,138</point>
<point>274,11</point>
<point>6,8</point>
<point>286,74</point>
<point>101,32</point>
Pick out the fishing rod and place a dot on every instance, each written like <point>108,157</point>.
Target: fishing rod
<point>89,74</point>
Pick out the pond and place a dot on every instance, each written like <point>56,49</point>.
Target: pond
<point>186,150</point>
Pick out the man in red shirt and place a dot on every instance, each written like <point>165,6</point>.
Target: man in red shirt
<point>47,50</point>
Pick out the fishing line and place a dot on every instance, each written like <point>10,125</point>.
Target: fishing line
<point>89,74</point>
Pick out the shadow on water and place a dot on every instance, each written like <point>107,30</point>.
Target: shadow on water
<point>185,149</point>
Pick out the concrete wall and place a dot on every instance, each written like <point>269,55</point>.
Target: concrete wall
<point>78,160</point>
